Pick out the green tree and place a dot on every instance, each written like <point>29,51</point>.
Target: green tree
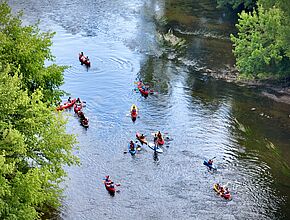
<point>33,150</point>
<point>27,49</point>
<point>283,5</point>
<point>258,47</point>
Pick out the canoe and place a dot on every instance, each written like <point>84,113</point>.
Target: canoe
<point>134,114</point>
<point>155,147</point>
<point>142,140</point>
<point>141,90</point>
<point>77,107</point>
<point>66,105</point>
<point>226,196</point>
<point>160,141</point>
<point>110,187</point>
<point>85,123</point>
<point>210,166</point>
<point>83,60</point>
<point>132,152</point>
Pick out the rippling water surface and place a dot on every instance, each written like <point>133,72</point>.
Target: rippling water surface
<point>203,117</point>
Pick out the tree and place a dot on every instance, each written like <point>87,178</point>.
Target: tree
<point>26,48</point>
<point>283,5</point>
<point>33,150</point>
<point>258,48</point>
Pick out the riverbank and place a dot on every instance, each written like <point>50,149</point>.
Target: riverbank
<point>277,90</point>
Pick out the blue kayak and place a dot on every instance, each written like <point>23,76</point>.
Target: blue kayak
<point>210,166</point>
<point>132,152</point>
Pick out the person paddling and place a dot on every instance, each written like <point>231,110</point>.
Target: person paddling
<point>78,101</point>
<point>155,138</point>
<point>134,109</point>
<point>210,162</point>
<point>107,179</point>
<point>132,145</point>
<point>159,136</point>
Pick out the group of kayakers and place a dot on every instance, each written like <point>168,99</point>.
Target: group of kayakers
<point>221,190</point>
<point>158,141</point>
<point>78,105</point>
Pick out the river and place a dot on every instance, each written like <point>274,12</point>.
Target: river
<point>248,134</point>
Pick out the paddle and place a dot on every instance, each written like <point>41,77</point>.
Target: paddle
<point>152,92</point>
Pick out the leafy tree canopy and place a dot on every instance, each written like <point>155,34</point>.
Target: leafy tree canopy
<point>33,149</point>
<point>26,48</point>
<point>34,146</point>
<point>260,47</point>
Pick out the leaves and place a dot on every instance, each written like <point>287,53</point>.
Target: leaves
<point>34,146</point>
<point>25,48</point>
<point>258,47</point>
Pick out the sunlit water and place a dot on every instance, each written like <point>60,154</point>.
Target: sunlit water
<point>203,117</point>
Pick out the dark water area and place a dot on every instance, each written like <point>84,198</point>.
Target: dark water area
<point>246,132</point>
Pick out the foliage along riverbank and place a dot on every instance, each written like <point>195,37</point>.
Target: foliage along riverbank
<point>261,46</point>
<point>34,145</point>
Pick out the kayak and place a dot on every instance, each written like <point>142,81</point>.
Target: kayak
<point>132,152</point>
<point>155,147</point>
<point>142,91</point>
<point>77,107</point>
<point>84,60</point>
<point>134,114</point>
<point>160,141</point>
<point>109,186</point>
<point>142,140</point>
<point>66,105</point>
<point>85,123</point>
<point>226,196</point>
<point>210,166</point>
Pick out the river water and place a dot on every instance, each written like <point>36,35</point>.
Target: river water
<point>247,133</point>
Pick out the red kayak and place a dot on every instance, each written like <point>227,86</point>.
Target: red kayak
<point>160,141</point>
<point>66,105</point>
<point>134,112</point>
<point>142,140</point>
<point>85,122</point>
<point>225,195</point>
<point>144,92</point>
<point>110,186</point>
<point>77,107</point>
<point>84,60</point>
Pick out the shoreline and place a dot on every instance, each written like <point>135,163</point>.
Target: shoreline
<point>273,89</point>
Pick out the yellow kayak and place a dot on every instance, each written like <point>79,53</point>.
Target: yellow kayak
<point>224,195</point>
<point>134,111</point>
<point>215,187</point>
